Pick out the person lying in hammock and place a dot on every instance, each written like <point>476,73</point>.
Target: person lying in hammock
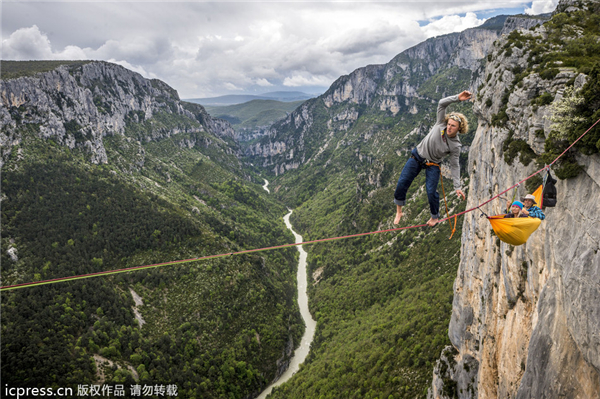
<point>528,207</point>
<point>516,210</point>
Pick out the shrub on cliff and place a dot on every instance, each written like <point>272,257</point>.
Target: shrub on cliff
<point>571,117</point>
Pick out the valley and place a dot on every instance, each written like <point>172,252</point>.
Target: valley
<point>103,169</point>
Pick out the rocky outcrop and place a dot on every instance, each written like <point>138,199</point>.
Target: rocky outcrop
<point>523,23</point>
<point>358,87</point>
<point>78,105</point>
<point>525,321</point>
<point>404,74</point>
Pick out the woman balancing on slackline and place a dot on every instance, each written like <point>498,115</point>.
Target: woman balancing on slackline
<point>441,141</point>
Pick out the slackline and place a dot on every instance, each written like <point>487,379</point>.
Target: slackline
<point>179,262</point>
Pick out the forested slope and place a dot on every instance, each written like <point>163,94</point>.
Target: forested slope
<point>104,170</point>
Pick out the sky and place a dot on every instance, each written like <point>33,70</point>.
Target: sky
<point>208,49</point>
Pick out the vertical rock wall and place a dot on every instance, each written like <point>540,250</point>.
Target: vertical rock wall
<point>526,319</point>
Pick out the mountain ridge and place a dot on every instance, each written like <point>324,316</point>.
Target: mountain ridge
<point>233,99</point>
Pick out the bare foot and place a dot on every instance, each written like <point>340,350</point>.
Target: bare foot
<point>399,214</point>
<point>432,222</point>
<point>398,217</point>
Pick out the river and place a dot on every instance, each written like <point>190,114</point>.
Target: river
<point>302,351</point>
<point>266,186</point>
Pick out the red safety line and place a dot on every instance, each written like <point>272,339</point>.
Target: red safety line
<point>108,272</point>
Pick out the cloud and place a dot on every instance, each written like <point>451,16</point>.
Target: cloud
<point>452,23</point>
<point>263,82</point>
<point>27,44</point>
<point>299,79</point>
<point>134,68</point>
<point>231,86</point>
<point>136,49</point>
<point>366,40</point>
<point>541,7</point>
<point>207,49</point>
<point>32,44</point>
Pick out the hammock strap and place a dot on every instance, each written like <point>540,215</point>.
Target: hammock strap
<point>483,213</point>
<point>514,195</point>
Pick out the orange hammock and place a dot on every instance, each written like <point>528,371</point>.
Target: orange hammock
<point>516,231</point>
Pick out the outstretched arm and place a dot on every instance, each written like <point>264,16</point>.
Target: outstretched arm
<point>444,102</point>
<point>442,105</point>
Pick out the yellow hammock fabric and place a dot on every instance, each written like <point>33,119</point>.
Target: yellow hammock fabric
<point>538,195</point>
<point>516,231</point>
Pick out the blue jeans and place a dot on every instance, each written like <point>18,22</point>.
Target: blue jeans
<point>409,172</point>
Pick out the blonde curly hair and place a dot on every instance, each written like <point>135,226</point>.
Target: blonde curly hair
<point>463,123</point>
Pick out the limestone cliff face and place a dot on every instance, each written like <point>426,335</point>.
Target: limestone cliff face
<point>78,106</point>
<point>390,89</point>
<point>406,72</point>
<point>513,23</point>
<point>525,320</point>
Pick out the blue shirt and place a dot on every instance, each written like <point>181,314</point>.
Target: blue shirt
<point>536,212</point>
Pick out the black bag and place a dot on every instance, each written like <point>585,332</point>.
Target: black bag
<point>549,192</point>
